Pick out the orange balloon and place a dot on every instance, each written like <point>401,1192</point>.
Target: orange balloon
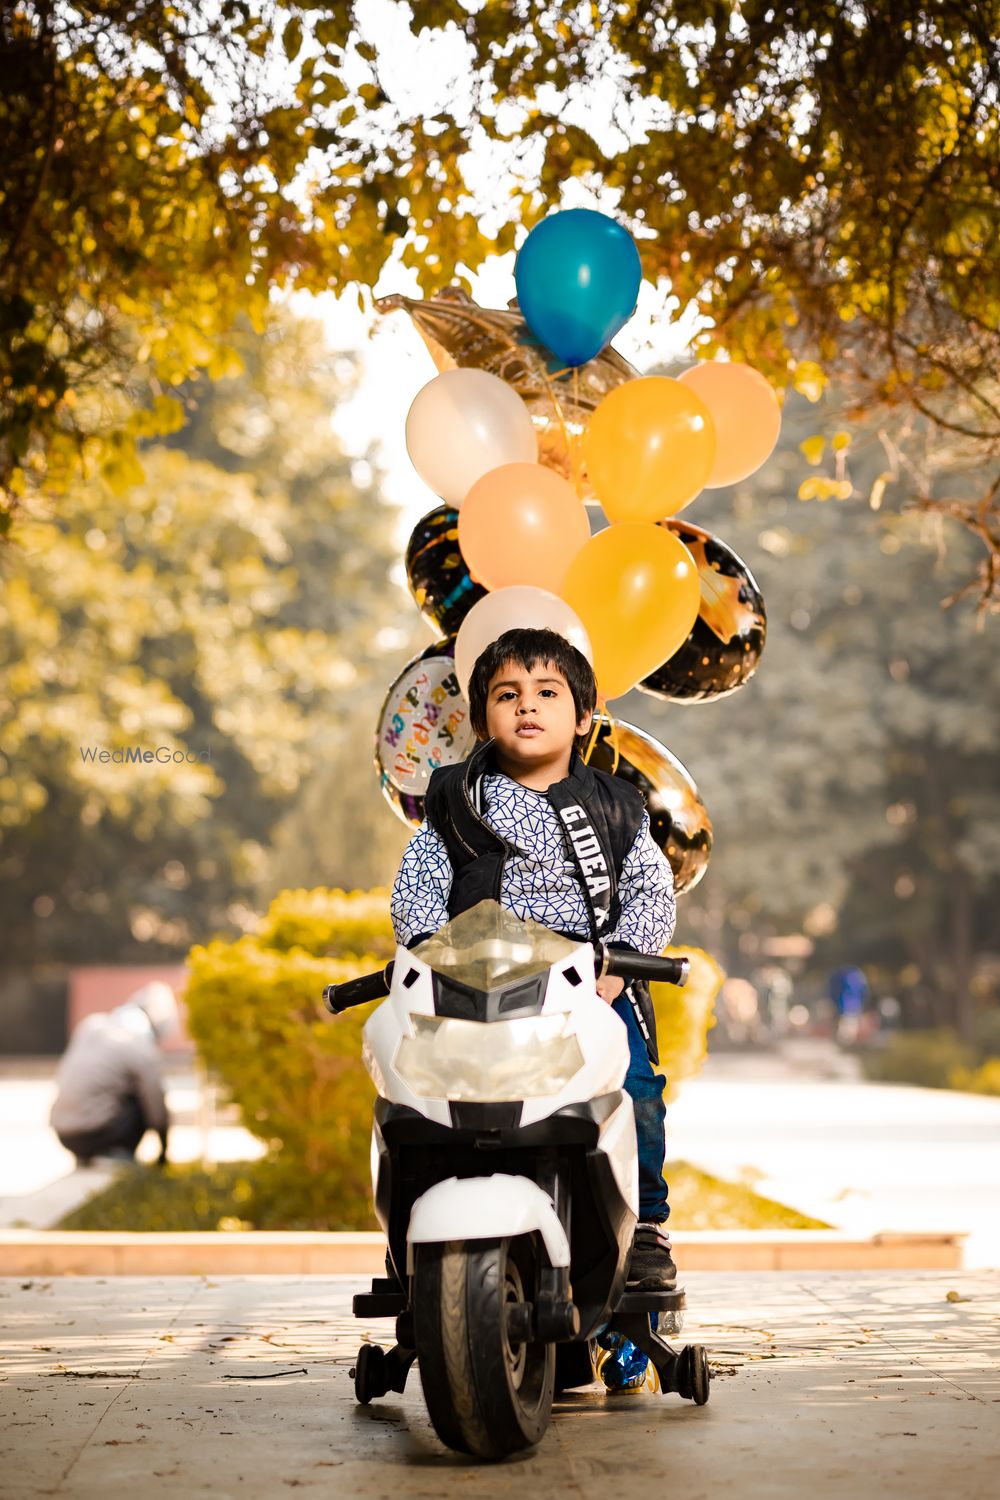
<point>746,414</point>
<point>521,523</point>
<point>650,448</point>
<point>637,592</point>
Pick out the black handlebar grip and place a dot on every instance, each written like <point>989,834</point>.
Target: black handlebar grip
<point>647,966</point>
<point>339,997</point>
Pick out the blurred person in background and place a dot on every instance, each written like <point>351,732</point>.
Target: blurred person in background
<point>850,994</point>
<point>109,1089</point>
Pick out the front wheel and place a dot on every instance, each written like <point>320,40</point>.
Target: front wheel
<point>486,1395</point>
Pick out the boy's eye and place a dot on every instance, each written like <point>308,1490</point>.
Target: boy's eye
<point>547,693</point>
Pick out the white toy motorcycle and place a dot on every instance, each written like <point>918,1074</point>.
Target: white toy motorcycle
<point>505,1177</point>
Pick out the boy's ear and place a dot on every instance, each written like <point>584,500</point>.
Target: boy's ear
<point>584,724</point>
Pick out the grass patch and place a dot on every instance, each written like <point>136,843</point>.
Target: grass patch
<point>700,1201</point>
<point>254,1195</point>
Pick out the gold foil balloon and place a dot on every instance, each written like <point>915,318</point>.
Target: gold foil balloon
<point>462,335</point>
<point>677,816</point>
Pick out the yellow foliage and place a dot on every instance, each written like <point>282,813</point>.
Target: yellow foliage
<point>684,1017</point>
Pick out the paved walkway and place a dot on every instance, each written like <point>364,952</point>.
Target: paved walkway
<point>865,1157</point>
<point>827,1386</point>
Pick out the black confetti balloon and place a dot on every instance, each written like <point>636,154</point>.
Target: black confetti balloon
<point>725,645</point>
<point>436,572</point>
<point>678,819</point>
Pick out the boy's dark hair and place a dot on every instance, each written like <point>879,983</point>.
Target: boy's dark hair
<point>529,649</point>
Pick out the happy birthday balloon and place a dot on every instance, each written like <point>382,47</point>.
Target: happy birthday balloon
<point>516,608</point>
<point>521,524</point>
<point>462,424</point>
<point>746,415</point>
<point>678,820</point>
<point>437,573</point>
<point>578,275</point>
<point>727,639</point>
<point>423,724</point>
<point>650,448</point>
<point>635,587</point>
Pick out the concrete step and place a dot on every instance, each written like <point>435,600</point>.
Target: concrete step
<point>28,1252</point>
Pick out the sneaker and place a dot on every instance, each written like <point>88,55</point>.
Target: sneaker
<point>620,1366</point>
<point>651,1267</point>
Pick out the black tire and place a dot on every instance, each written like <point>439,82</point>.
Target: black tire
<point>700,1375</point>
<point>370,1373</point>
<point>485,1396</point>
<point>573,1366</point>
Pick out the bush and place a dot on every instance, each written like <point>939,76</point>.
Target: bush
<point>255,1012</point>
<point>928,1059</point>
<point>684,1017</point>
<point>982,1080</point>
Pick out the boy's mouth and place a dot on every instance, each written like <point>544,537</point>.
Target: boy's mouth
<point>529,729</point>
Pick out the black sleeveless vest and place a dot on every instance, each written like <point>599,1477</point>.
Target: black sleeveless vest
<point>611,813</point>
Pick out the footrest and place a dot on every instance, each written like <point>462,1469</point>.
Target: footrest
<point>640,1302</point>
<point>379,1304</point>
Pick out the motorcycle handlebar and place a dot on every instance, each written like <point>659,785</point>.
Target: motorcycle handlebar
<point>645,966</point>
<point>341,997</point>
<point>338,997</point>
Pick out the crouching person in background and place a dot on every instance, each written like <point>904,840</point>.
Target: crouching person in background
<point>109,1089</point>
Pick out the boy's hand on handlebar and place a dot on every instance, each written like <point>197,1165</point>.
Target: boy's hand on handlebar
<point>610,987</point>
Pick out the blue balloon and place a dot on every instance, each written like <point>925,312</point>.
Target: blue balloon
<point>577,276</point>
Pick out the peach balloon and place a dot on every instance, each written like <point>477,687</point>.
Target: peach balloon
<point>521,524</point>
<point>517,608</point>
<point>746,414</point>
<point>650,448</point>
<point>635,586</point>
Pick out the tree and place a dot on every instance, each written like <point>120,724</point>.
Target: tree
<point>852,782</point>
<point>819,181</point>
<point>150,164</point>
<point>235,614</point>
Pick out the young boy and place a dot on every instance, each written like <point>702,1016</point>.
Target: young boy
<point>525,821</point>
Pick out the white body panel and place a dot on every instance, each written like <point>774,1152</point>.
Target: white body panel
<point>601,1035</point>
<point>486,1208</point>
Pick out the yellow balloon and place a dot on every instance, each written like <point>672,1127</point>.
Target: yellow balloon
<point>650,448</point>
<point>636,589</point>
<point>746,414</point>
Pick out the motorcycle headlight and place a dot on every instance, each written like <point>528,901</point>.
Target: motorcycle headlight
<point>529,1057</point>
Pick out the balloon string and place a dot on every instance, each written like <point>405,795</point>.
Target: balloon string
<point>615,747</point>
<point>568,438</point>
<point>595,732</point>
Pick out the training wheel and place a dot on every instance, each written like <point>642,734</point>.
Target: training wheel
<point>700,1374</point>
<point>370,1373</point>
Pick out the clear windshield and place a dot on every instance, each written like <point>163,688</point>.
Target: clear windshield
<point>487,947</point>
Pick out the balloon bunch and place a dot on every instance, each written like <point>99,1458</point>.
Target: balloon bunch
<point>531,419</point>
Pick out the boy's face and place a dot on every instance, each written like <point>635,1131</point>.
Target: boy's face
<point>531,715</point>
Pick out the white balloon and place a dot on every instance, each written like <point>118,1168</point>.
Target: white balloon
<point>463,424</point>
<point>519,607</point>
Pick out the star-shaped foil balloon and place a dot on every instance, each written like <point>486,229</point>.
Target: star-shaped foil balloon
<point>461,334</point>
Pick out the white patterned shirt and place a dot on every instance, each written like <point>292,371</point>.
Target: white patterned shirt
<point>542,882</point>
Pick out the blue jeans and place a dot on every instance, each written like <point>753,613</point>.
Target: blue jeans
<point>646,1090</point>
